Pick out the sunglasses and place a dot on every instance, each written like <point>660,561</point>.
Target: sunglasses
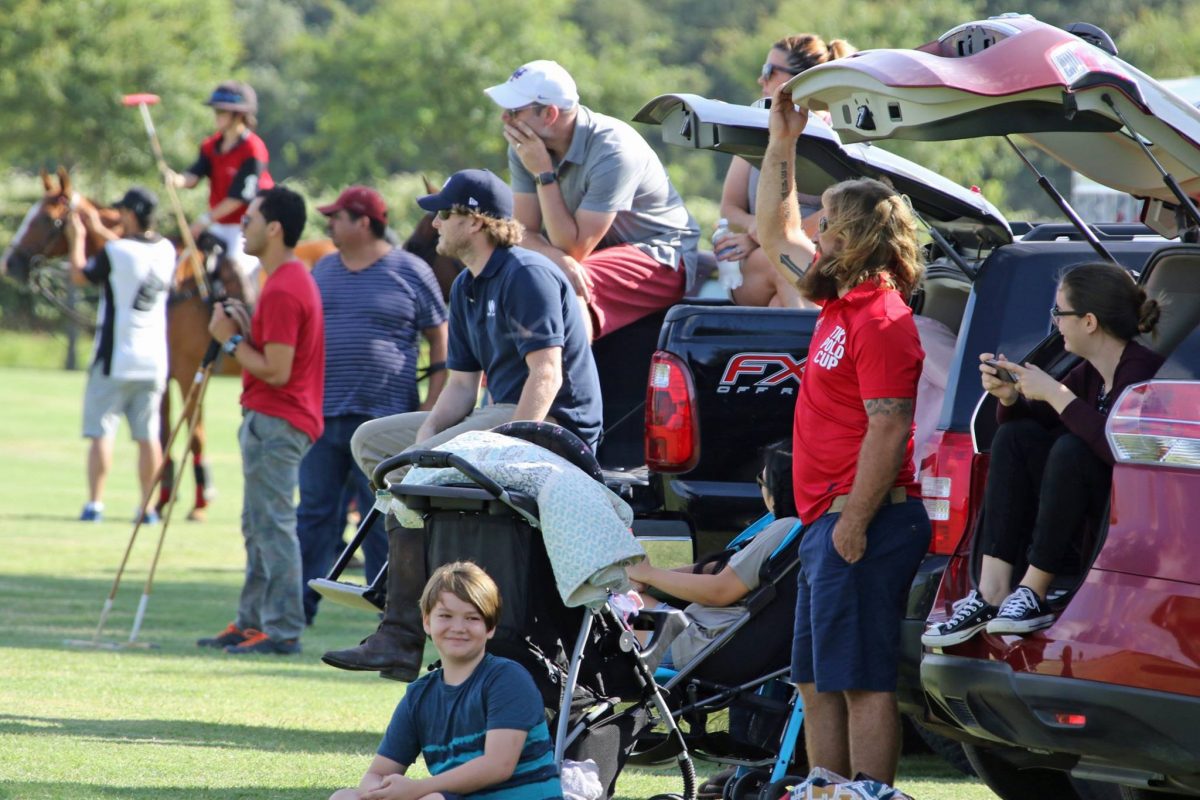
<point>1056,313</point>
<point>769,69</point>
<point>512,112</point>
<point>822,225</point>
<point>446,213</point>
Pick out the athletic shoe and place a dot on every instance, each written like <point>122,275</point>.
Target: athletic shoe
<point>259,642</point>
<point>1022,612</point>
<point>971,615</point>
<point>150,517</point>
<point>231,635</point>
<point>92,512</point>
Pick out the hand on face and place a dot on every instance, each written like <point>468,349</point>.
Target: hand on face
<point>528,146</point>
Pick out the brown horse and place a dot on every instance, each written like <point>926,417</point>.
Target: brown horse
<point>41,239</point>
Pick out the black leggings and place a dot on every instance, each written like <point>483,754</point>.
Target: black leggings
<point>1041,486</point>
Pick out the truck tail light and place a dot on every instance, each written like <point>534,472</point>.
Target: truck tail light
<point>952,479</point>
<point>1157,423</point>
<point>672,436</point>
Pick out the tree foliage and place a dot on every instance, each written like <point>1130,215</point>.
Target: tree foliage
<point>66,66</point>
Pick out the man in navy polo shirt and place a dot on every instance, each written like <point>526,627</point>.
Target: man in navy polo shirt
<point>513,317</point>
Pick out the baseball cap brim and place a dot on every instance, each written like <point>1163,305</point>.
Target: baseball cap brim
<point>330,209</point>
<point>507,96</point>
<point>435,202</point>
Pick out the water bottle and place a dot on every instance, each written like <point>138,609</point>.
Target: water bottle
<point>729,273</point>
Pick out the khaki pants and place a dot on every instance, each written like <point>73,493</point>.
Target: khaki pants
<point>383,438</point>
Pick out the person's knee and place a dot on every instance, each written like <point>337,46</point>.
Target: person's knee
<point>1068,451</point>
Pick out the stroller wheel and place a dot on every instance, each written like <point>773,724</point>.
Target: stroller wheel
<point>668,796</point>
<point>780,788</point>
<point>746,787</point>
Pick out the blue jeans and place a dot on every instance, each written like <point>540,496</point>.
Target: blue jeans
<point>328,479</point>
<point>271,454</point>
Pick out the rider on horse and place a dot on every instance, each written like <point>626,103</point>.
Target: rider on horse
<point>234,159</point>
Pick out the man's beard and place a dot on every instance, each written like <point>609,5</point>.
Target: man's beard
<point>816,285</point>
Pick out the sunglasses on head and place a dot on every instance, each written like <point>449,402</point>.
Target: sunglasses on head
<point>769,69</point>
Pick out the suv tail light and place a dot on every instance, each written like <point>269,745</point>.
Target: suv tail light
<point>952,479</point>
<point>1157,422</point>
<point>672,436</point>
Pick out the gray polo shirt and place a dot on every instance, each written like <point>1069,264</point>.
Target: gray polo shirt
<point>610,167</point>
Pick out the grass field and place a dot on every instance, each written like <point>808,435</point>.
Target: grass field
<point>175,721</point>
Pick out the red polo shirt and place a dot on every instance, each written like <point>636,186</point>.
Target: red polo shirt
<point>239,172</point>
<point>289,312</point>
<point>865,347</point>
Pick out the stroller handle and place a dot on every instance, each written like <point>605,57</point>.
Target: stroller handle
<point>436,459</point>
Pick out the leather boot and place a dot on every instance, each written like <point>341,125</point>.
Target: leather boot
<point>397,647</point>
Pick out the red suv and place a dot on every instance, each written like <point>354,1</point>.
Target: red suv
<point>1106,701</point>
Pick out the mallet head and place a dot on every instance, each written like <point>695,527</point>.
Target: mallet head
<point>140,99</point>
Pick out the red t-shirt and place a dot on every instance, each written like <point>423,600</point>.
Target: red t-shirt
<point>865,346</point>
<point>289,312</point>
<point>238,172</point>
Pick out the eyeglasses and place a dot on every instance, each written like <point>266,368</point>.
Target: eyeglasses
<point>446,213</point>
<point>768,69</point>
<point>822,225</point>
<point>1056,313</point>
<point>512,112</point>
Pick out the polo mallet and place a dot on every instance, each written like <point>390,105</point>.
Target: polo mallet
<point>143,101</point>
<point>184,416</point>
<point>202,376</point>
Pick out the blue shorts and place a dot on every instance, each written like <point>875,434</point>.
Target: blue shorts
<point>847,630</point>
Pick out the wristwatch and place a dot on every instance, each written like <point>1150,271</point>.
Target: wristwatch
<point>232,342</point>
<point>546,178</point>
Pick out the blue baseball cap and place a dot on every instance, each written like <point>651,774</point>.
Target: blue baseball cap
<point>477,189</point>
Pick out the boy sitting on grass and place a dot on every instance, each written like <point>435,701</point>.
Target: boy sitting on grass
<point>478,721</point>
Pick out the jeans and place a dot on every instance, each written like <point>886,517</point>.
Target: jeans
<point>271,454</point>
<point>328,479</point>
<point>1041,487</point>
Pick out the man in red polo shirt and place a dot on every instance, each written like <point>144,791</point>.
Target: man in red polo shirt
<point>865,530</point>
<point>283,383</point>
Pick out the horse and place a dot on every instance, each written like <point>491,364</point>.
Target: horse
<point>41,239</point>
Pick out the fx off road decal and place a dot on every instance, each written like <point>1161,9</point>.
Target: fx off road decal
<point>759,373</point>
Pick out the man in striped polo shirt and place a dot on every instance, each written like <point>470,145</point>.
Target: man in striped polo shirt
<point>377,299</point>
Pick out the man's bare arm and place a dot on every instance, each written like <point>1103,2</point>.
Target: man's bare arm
<point>780,230</point>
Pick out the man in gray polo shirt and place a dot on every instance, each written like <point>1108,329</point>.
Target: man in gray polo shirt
<point>595,199</point>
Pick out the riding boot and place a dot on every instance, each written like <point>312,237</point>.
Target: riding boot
<point>397,646</point>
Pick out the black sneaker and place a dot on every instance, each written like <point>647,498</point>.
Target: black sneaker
<point>259,642</point>
<point>1022,612</point>
<point>230,636</point>
<point>971,615</point>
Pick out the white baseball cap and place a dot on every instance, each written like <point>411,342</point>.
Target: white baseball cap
<point>544,82</point>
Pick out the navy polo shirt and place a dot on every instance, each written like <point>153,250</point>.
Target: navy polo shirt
<point>520,303</point>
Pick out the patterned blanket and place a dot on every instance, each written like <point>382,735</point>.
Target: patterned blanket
<point>585,526</point>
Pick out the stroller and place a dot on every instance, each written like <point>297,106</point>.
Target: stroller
<point>733,697</point>
<point>596,681</point>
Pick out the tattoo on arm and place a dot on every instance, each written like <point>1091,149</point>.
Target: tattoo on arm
<point>889,406</point>
<point>796,269</point>
<point>784,191</point>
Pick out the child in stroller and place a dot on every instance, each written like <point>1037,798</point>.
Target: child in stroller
<point>742,594</point>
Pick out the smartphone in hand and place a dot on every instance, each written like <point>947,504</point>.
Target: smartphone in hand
<point>1001,373</point>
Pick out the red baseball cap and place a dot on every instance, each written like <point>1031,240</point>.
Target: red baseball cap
<point>360,200</point>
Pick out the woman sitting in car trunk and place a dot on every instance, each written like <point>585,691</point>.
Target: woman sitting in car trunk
<point>1051,467</point>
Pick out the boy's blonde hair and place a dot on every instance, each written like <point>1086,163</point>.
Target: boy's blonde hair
<point>468,582</point>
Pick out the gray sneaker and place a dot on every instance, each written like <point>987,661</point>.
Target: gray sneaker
<point>1022,612</point>
<point>971,615</point>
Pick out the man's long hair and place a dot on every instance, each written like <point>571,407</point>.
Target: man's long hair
<point>878,233</point>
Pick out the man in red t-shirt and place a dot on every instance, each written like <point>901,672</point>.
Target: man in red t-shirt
<point>866,532</point>
<point>283,382</point>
